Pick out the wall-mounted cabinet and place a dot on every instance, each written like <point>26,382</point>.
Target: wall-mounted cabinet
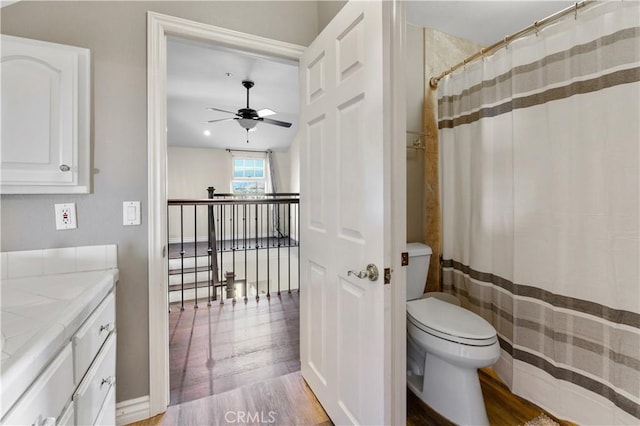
<point>45,128</point>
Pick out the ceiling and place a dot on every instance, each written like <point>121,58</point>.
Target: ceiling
<point>484,22</point>
<point>200,75</point>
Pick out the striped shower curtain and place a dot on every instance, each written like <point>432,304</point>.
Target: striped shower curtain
<point>539,163</point>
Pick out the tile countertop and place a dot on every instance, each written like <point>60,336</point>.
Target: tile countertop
<point>39,315</point>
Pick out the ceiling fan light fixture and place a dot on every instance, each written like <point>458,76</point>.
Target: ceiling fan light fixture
<point>248,117</point>
<point>247,123</point>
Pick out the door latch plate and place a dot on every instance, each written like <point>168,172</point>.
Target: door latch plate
<point>405,258</point>
<point>387,275</point>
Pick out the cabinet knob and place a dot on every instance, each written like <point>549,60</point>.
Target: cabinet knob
<point>109,381</point>
<point>64,168</point>
<point>108,327</point>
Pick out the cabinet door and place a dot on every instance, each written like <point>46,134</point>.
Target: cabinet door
<point>44,114</point>
<point>48,394</point>
<point>90,337</point>
<point>94,388</point>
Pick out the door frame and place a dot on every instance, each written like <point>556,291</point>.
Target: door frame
<point>159,26</point>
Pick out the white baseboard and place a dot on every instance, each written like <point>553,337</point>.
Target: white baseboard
<point>132,410</point>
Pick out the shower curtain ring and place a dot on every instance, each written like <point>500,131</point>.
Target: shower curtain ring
<point>575,12</point>
<point>535,26</point>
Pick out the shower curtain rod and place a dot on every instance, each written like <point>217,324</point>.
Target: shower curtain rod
<point>246,150</point>
<point>433,81</point>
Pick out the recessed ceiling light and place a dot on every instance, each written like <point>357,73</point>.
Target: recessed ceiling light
<point>207,133</point>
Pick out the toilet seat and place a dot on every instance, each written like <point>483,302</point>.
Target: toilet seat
<point>449,322</point>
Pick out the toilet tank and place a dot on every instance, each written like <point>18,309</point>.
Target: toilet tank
<point>419,257</point>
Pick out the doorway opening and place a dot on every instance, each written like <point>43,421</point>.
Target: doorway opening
<point>161,30</point>
<point>232,218</point>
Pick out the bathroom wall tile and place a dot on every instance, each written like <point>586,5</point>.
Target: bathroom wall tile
<point>24,263</point>
<point>90,258</point>
<point>442,51</point>
<point>59,261</point>
<point>4,270</point>
<point>112,256</point>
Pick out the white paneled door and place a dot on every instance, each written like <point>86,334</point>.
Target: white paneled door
<point>345,212</point>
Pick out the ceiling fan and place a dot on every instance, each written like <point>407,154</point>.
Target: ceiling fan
<point>247,117</point>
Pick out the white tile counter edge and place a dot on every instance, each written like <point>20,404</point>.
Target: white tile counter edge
<point>53,265</point>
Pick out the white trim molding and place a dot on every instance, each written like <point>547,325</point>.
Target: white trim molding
<point>158,28</point>
<point>132,410</point>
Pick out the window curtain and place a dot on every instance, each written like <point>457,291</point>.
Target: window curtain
<point>539,162</point>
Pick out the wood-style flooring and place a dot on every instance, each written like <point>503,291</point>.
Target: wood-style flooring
<point>284,400</point>
<point>288,401</point>
<point>503,407</point>
<point>222,347</point>
<point>244,358</point>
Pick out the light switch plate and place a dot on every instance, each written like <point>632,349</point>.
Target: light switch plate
<point>66,216</point>
<point>131,213</point>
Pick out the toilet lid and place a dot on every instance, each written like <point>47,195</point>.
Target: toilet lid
<point>450,319</point>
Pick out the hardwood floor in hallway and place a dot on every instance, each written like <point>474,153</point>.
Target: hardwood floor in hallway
<point>288,401</point>
<point>284,400</point>
<point>222,347</point>
<point>243,360</point>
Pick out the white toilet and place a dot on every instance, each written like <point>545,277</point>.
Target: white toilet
<point>446,344</point>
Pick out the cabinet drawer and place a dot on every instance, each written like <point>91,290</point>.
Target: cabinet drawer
<point>67,418</point>
<point>90,337</point>
<point>107,416</point>
<point>48,394</point>
<point>95,387</point>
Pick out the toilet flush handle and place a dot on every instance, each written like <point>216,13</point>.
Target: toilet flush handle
<point>371,272</point>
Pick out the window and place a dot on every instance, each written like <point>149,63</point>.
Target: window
<point>248,176</point>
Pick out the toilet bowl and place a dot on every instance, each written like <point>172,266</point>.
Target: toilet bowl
<point>446,344</point>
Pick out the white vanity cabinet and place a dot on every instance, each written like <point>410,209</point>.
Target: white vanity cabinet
<point>94,360</point>
<point>45,136</point>
<point>78,386</point>
<point>58,336</point>
<point>47,396</point>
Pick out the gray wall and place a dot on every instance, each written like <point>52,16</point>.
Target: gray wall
<point>327,9</point>
<point>415,77</point>
<point>116,34</point>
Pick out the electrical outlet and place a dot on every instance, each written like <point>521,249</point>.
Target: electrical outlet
<point>66,216</point>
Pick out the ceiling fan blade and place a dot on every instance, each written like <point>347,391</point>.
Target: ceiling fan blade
<point>276,122</point>
<point>221,119</point>
<point>265,112</point>
<point>222,110</point>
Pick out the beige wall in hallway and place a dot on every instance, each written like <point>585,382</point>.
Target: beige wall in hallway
<point>115,32</point>
<point>190,171</point>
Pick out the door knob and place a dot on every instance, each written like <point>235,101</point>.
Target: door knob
<point>371,272</point>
